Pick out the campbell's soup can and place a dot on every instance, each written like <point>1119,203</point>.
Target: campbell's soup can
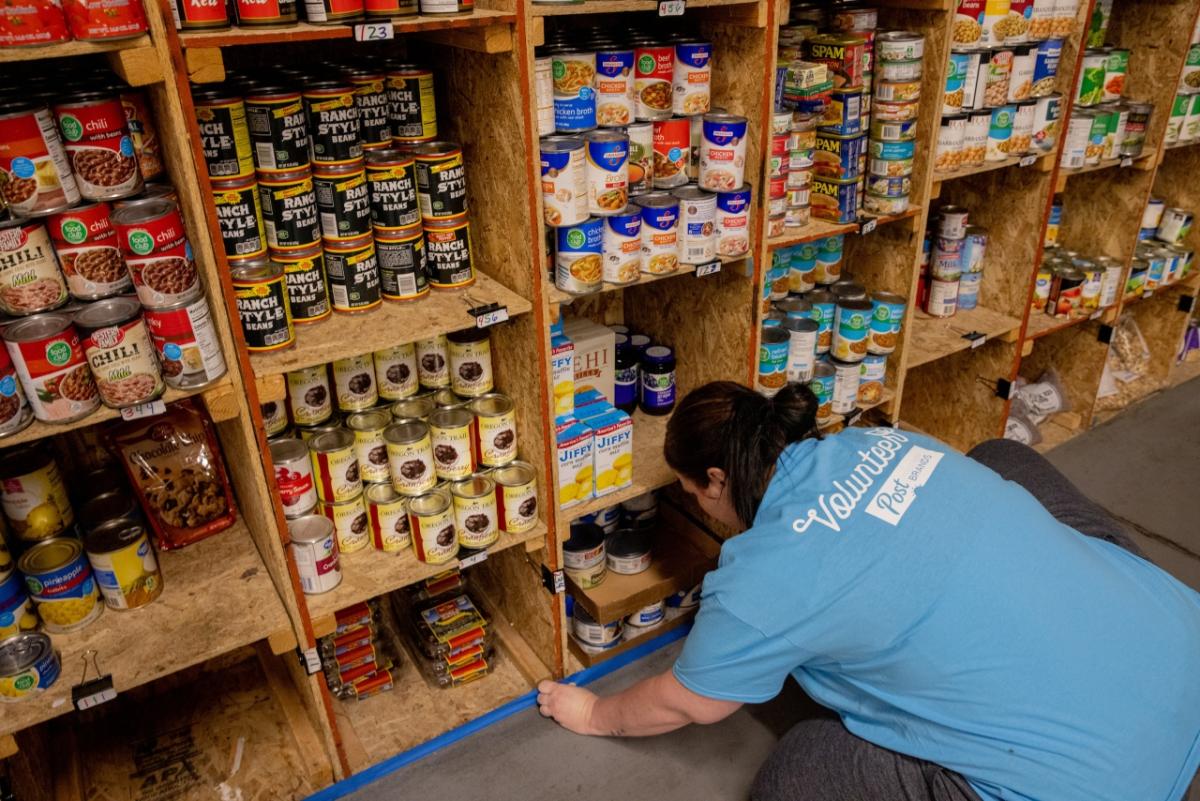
<point>48,356</point>
<point>114,19</point>
<point>314,548</point>
<point>252,13</point>
<point>32,156</point>
<point>191,15</point>
<point>86,244</point>
<point>153,240</point>
<point>189,351</point>
<point>38,22</point>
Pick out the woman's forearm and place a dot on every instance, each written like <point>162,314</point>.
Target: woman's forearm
<point>645,709</point>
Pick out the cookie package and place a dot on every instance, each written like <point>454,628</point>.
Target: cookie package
<point>175,465</point>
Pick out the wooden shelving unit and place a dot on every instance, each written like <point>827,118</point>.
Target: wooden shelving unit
<point>11,55</point>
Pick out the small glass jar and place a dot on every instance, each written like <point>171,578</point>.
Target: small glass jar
<point>658,380</point>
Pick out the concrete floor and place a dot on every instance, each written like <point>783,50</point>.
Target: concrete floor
<point>1142,466</point>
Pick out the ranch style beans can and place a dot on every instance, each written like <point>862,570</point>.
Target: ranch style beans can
<point>154,242</point>
<point>350,523</point>
<point>61,584</point>
<point>353,271</point>
<point>343,201</point>
<point>119,352</point>
<point>263,13</point>
<point>314,549</point>
<point>335,466</point>
<point>86,244</point>
<point>723,152</point>
<point>224,137</point>
<point>410,456</point>
<point>396,371</point>
<point>403,271</point>
<point>370,98</point>
<point>15,414</point>
<point>433,362</point>
<point>96,136</point>
<point>239,214</point>
<point>48,356</point>
<point>32,156</point>
<point>333,126</point>
<point>660,233</point>
<point>123,564</point>
<point>262,303</point>
<point>607,171</point>
<point>188,349</point>
<point>431,521</point>
<point>495,432</point>
<point>369,445</point>
<point>450,431</point>
<point>388,510</point>
<point>392,186</point>
<point>33,24</point>
<point>30,279</point>
<point>474,502</point>
<point>277,127</point>
<point>309,395</point>
<point>448,252</point>
<point>441,180</point>
<point>516,497</point>
<point>333,11</point>
<point>470,354</point>
<point>198,15</point>
<point>289,210</point>
<point>307,289</point>
<point>564,180</point>
<point>412,107</point>
<point>354,383</point>
<point>697,222</point>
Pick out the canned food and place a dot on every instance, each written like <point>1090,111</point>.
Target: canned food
<point>96,136</point>
<point>772,360</point>
<point>224,137</point>
<point>30,280</point>
<point>40,24</point>
<point>433,362</point>
<point>691,78</point>
<point>579,257</point>
<point>851,330</point>
<point>307,289</point>
<point>16,610</point>
<point>343,200</point>
<point>495,431</point>
<point>289,209</point>
<point>621,246</point>
<point>388,513</point>
<point>277,128</point>
<point>294,477</point>
<point>441,180</point>
<point>28,665</point>
<point>119,352</point>
<point>584,558</point>
<point>335,135</point>
<point>412,107</point>
<point>354,383</point>
<point>450,432</point>
<point>239,215</point>
<point>123,564</point>
<point>871,376</point>
<point>431,521</point>
<point>32,156</point>
<point>396,371</point>
<point>654,75</point>
<point>15,413</point>
<point>392,186</point>
<point>723,152</point>
<point>697,217</point>
<point>410,456</point>
<point>61,585</point>
<point>899,46</point>
<point>573,75</point>
<point>845,387</point>
<point>887,315</point>
<point>802,347</point>
<point>262,304</point>
<point>335,466</point>
<point>309,396</point>
<point>942,300</point>
<point>732,222</point>
<point>154,242</point>
<point>371,100</point>
<point>49,360</point>
<point>350,523</point>
<point>403,266</point>
<point>615,95</point>
<point>448,252</point>
<point>314,549</point>
<point>565,194</point>
<point>606,165</point>
<point>475,514</point>
<point>265,12</point>
<point>369,446</point>
<point>822,385</point>
<point>516,497</point>
<point>470,358</point>
<point>352,268</point>
<point>660,233</point>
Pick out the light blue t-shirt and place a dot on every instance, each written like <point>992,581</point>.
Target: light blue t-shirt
<point>944,614</point>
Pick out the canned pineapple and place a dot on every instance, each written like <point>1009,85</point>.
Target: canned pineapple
<point>60,583</point>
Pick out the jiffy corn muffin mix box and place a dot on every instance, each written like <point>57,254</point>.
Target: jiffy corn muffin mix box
<point>612,449</point>
<point>574,443</point>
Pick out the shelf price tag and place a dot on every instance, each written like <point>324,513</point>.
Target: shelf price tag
<point>1027,161</point>
<point>1096,314</point>
<point>671,8</point>
<point>151,409</point>
<point>374,32</point>
<point>708,268</point>
<point>87,694</point>
<point>1127,161</point>
<point>489,314</point>
<point>868,226</point>
<point>473,558</point>
<point>975,338</point>
<point>310,660</point>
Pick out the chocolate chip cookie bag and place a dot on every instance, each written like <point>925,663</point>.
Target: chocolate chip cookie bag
<point>175,466</point>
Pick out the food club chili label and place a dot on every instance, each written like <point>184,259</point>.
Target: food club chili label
<point>159,259</point>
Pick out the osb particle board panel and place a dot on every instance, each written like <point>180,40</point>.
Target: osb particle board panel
<point>1176,184</point>
<point>740,62</point>
<point>954,399</point>
<point>931,338</point>
<point>226,737</point>
<point>1078,356</point>
<point>512,581</point>
<point>1162,326</point>
<point>1102,212</point>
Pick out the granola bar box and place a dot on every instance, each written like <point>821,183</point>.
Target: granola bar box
<point>175,466</point>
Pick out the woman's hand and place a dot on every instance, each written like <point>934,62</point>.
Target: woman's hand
<point>569,705</point>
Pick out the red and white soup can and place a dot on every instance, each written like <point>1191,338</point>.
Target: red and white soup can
<point>152,238</point>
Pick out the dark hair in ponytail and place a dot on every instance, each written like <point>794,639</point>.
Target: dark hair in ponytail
<point>731,427</point>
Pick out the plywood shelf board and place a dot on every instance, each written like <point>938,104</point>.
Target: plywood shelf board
<point>1054,434</point>
<point>68,49</point>
<point>934,337</point>
<point>1104,164</point>
<point>343,335</point>
<point>816,229</point>
<point>942,176</point>
<point>217,596</point>
<point>556,295</point>
<point>640,637</point>
<point>1041,324</point>
<point>619,6</point>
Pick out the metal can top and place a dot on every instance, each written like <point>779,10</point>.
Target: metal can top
<point>656,200</point>
<point>256,271</point>
<point>110,311</point>
<point>113,535</point>
<point>144,210</point>
<point>369,420</point>
<point>335,170</point>
<point>310,528</point>
<point>493,404</point>
<point>288,449</point>
<point>21,651</point>
<point>389,157</point>
<point>560,144</point>
<point>450,418</point>
<point>628,542</point>
<point>382,494</point>
<point>514,474</point>
<point>39,326</point>
<point>692,193</point>
<point>49,555</point>
<point>337,440</point>
<point>804,325</point>
<point>288,177</point>
<point>413,408</point>
<point>431,503</point>
<point>774,335</point>
<point>214,94</point>
<point>721,116</point>
<point>888,297</point>
<point>446,399</point>
<point>605,135</point>
<point>406,432</point>
<point>431,150</point>
<point>823,370</point>
<point>476,486</point>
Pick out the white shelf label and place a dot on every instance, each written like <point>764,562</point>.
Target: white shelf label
<point>489,318</point>
<point>93,693</point>
<point>1027,161</point>
<point>473,559</point>
<point>671,8</point>
<point>1096,314</point>
<point>150,409</point>
<point>310,660</point>
<point>868,226</point>
<point>978,342</point>
<point>1127,161</point>
<point>708,269</point>
<point>374,32</point>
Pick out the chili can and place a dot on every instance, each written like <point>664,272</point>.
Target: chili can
<point>335,466</point>
<point>410,456</point>
<point>38,178</point>
<point>224,137</point>
<point>475,513</point>
<point>15,414</point>
<point>307,289</point>
<point>350,523</point>
<point>354,383</point>
<point>433,368</point>
<point>343,200</point>
<point>431,521</point>
<point>403,268</point>
<point>314,548</point>
<point>61,584</point>
<point>294,480</point>
<point>388,512</point>
<point>239,215</point>
<point>392,186</point>
<point>412,107</point>
<point>30,279</point>
<point>441,180</point>
<point>35,23</point>
<point>120,354</point>
<point>516,497</point>
<point>448,252</point>
<point>86,244</point>
<point>353,271</point>
<point>277,128</point>
<point>123,564</point>
<point>154,243</point>
<point>369,445</point>
<point>396,371</point>
<point>333,125</point>
<point>96,136</point>
<point>262,303</point>
<point>309,395</point>
<point>48,356</point>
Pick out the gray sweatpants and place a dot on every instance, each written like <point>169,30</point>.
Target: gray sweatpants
<point>819,760</point>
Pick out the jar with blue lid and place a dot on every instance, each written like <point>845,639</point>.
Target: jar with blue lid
<point>658,380</point>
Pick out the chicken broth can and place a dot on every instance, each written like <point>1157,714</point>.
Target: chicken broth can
<point>564,180</point>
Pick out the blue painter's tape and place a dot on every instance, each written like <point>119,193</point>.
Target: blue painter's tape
<point>586,676</point>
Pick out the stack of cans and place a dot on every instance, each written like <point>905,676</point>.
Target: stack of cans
<point>943,292</point>
<point>892,142</point>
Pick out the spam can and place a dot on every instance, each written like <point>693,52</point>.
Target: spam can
<point>835,199</point>
<point>60,582</point>
<point>28,665</point>
<point>123,564</point>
